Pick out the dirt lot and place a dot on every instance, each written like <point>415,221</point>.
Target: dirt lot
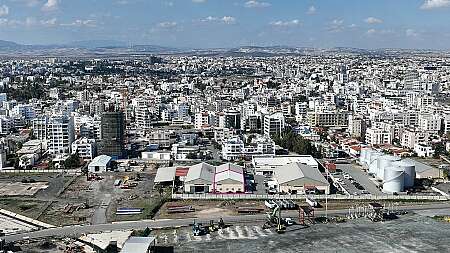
<point>83,201</point>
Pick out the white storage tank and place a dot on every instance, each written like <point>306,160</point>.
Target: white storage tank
<point>363,156</point>
<point>394,179</point>
<point>409,169</point>
<point>373,165</point>
<point>384,162</point>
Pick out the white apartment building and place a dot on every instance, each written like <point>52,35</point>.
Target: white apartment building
<point>274,124</point>
<point>86,148</point>
<point>356,126</point>
<point>6,124</point>
<point>143,114</point>
<point>234,148</point>
<point>375,136</point>
<point>328,119</point>
<point>201,120</point>
<point>430,123</point>
<point>423,150</point>
<point>411,137</point>
<point>301,109</point>
<point>221,134</point>
<point>58,131</point>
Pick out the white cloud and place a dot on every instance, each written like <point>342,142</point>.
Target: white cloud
<point>122,2</point>
<point>50,5</point>
<point>312,10</point>
<point>411,33</point>
<point>435,4</point>
<point>4,10</point>
<point>372,20</point>
<point>371,31</point>
<point>289,23</point>
<point>29,3</point>
<point>199,1</point>
<point>50,22</point>
<point>81,23</point>
<point>256,4</point>
<point>28,22</point>
<point>229,20</point>
<point>167,25</point>
<point>336,25</point>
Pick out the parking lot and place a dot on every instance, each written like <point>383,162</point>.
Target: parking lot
<point>359,176</point>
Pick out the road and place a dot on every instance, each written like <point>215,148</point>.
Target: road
<point>76,231</point>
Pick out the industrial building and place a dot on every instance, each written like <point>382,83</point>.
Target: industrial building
<point>266,165</point>
<point>297,178</point>
<point>99,164</point>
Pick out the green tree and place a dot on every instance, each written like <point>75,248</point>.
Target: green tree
<point>72,162</point>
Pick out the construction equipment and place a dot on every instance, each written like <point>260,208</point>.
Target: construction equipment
<point>221,224</point>
<point>274,219</point>
<point>198,229</point>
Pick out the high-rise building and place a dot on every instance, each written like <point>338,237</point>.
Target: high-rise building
<point>57,130</point>
<point>112,135</point>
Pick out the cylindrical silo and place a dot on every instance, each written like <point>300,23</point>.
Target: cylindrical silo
<point>409,169</point>
<point>394,179</point>
<point>363,156</point>
<point>373,165</point>
<point>384,162</point>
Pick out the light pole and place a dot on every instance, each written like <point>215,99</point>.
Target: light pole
<point>326,196</point>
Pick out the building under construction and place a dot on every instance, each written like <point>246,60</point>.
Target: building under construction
<point>112,135</point>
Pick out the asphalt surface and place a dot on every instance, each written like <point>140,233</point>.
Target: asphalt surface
<point>76,231</point>
<point>359,176</point>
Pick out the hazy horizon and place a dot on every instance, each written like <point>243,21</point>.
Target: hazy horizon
<point>405,24</point>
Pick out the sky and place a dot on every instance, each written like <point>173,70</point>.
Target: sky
<point>231,23</point>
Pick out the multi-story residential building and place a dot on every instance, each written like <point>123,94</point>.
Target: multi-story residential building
<point>328,118</point>
<point>356,126</point>
<point>57,130</point>
<point>411,137</point>
<point>430,123</point>
<point>24,110</point>
<point>85,148</point>
<point>274,124</point>
<point>161,138</point>
<point>6,125</point>
<point>375,136</point>
<point>201,120</point>
<point>234,148</point>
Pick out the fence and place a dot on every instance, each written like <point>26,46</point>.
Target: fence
<point>302,197</point>
<point>19,171</point>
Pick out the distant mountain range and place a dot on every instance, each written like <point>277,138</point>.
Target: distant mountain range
<point>105,47</point>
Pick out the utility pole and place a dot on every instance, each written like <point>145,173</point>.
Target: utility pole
<point>326,196</point>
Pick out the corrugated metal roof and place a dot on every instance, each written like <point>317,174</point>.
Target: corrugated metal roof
<point>165,174</point>
<point>101,160</point>
<point>137,244</point>
<point>294,171</point>
<point>201,171</point>
<point>229,171</point>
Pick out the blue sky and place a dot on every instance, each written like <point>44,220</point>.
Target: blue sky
<point>230,23</point>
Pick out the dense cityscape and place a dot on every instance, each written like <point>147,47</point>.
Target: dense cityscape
<point>106,147</point>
